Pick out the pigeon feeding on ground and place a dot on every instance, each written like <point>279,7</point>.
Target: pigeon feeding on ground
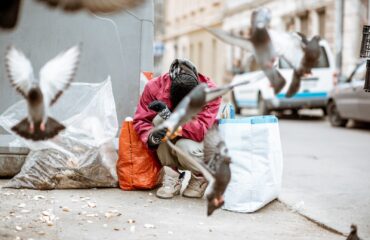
<point>9,9</point>
<point>55,77</point>
<point>267,45</point>
<point>353,234</point>
<point>215,167</point>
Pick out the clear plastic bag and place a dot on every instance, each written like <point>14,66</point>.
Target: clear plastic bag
<point>82,156</point>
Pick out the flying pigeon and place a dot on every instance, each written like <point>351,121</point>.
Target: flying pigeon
<point>265,53</point>
<point>215,167</point>
<point>353,234</point>
<point>311,55</point>
<point>9,9</point>
<point>218,163</point>
<point>194,102</point>
<point>54,77</point>
<point>267,45</point>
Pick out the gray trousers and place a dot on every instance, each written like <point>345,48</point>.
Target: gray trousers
<point>171,158</point>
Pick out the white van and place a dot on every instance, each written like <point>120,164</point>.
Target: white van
<point>313,93</point>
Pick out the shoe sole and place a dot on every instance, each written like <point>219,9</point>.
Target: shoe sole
<point>169,197</point>
<point>189,196</point>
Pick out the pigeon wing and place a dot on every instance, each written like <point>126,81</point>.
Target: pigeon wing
<point>19,70</point>
<point>95,6</point>
<point>197,164</point>
<point>228,38</point>
<point>57,74</point>
<point>185,111</point>
<point>288,45</point>
<point>105,6</point>
<point>211,142</point>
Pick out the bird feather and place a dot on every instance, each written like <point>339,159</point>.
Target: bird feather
<point>19,70</point>
<point>57,74</point>
<point>95,6</point>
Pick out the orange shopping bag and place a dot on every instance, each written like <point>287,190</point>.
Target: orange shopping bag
<point>137,167</point>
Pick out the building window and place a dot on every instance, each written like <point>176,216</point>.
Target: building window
<point>304,23</point>
<point>191,52</point>
<point>200,56</point>
<point>364,11</point>
<point>184,52</point>
<point>322,19</point>
<point>214,58</point>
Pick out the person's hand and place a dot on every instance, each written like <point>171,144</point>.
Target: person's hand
<point>161,108</point>
<point>155,138</point>
<point>157,106</point>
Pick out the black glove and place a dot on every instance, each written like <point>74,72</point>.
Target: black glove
<point>161,108</point>
<point>157,106</point>
<point>155,138</point>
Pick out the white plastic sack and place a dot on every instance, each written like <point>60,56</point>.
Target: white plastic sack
<point>83,155</point>
<point>257,162</point>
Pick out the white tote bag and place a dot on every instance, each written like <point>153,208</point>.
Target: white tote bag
<point>257,162</point>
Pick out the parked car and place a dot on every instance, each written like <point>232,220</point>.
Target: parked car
<point>348,100</point>
<point>313,93</point>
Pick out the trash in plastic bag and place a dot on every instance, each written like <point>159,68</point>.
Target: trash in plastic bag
<point>82,156</point>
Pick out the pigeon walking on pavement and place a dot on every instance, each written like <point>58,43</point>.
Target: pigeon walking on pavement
<point>9,9</point>
<point>54,77</point>
<point>353,234</point>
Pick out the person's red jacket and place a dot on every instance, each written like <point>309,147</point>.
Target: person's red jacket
<point>159,89</point>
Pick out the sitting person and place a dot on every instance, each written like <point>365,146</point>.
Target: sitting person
<point>160,97</point>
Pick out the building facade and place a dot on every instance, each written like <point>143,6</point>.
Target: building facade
<point>184,37</point>
<point>314,17</point>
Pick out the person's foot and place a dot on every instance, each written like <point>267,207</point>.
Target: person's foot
<point>171,185</point>
<point>196,187</point>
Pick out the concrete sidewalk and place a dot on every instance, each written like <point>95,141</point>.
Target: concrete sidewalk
<point>114,214</point>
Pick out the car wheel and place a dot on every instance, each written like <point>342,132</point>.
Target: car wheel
<point>236,107</point>
<point>324,111</point>
<point>295,112</point>
<point>262,107</point>
<point>334,117</point>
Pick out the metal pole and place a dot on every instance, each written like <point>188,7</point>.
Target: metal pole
<point>339,35</point>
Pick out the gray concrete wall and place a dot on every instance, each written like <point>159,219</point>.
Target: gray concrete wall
<point>119,45</point>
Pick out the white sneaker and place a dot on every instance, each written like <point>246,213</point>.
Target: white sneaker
<point>171,185</point>
<point>196,187</point>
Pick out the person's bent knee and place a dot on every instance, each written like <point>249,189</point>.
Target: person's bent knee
<point>193,149</point>
<point>164,156</point>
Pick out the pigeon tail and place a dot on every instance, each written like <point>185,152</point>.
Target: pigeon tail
<point>294,86</point>
<point>276,79</point>
<point>52,128</point>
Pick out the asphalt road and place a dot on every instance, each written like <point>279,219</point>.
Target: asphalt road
<point>326,172</point>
